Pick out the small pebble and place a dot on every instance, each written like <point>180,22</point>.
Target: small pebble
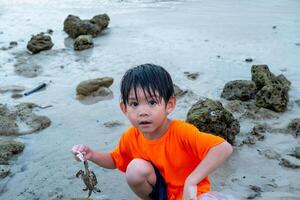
<point>13,43</point>
<point>248,60</point>
<point>50,31</point>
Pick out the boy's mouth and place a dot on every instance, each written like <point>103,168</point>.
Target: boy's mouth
<point>144,122</point>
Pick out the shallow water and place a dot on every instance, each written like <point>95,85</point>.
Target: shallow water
<point>178,35</point>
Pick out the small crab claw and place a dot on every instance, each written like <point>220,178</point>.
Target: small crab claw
<point>79,173</point>
<point>96,190</point>
<point>90,192</point>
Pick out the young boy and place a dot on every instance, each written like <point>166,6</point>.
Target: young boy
<point>163,159</point>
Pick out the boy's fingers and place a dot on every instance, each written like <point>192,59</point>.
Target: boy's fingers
<point>78,149</point>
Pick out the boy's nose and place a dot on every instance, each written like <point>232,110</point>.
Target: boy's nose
<point>143,114</point>
<point>143,111</point>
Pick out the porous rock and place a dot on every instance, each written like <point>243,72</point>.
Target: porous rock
<point>75,27</point>
<point>9,148</point>
<point>243,90</point>
<point>210,116</point>
<point>83,42</point>
<point>39,42</point>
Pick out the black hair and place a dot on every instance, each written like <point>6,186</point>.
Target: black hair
<point>150,78</point>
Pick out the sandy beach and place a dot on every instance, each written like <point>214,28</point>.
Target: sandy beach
<point>211,38</point>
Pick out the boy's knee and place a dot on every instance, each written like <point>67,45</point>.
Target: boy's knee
<point>139,170</point>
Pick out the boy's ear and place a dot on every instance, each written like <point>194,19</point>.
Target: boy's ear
<point>171,104</point>
<point>123,108</point>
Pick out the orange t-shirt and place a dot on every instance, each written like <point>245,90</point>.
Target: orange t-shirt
<point>176,154</point>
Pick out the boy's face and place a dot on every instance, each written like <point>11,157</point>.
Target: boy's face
<point>148,114</point>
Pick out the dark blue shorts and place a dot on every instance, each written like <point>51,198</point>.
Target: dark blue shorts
<point>159,191</point>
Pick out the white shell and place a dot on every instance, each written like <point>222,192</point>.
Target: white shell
<point>80,156</point>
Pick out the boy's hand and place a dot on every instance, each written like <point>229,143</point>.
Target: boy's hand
<point>189,192</point>
<point>84,150</point>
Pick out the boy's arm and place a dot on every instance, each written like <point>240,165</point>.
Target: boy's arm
<point>214,158</point>
<point>103,159</point>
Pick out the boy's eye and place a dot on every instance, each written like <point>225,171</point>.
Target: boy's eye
<point>152,102</point>
<point>133,104</point>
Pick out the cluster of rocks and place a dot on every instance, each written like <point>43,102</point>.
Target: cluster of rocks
<point>9,120</point>
<point>264,97</point>
<point>268,90</point>
<point>83,31</point>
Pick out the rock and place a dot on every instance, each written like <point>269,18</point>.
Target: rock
<point>4,48</point>
<point>111,124</point>
<point>259,113</point>
<point>250,139</point>
<point>296,152</point>
<point>4,171</point>
<point>262,76</point>
<point>36,122</point>
<point>87,87</point>
<point>290,162</point>
<point>16,95</point>
<point>8,149</point>
<point>259,131</point>
<point>256,188</point>
<point>102,94</point>
<point>294,126</point>
<point>12,88</point>
<point>283,81</point>
<point>83,42</point>
<point>178,91</point>
<point>13,44</point>
<point>24,113</point>
<point>101,20</point>
<point>50,31</point>
<point>191,76</point>
<point>39,42</point>
<point>240,106</point>
<point>257,192</point>
<point>272,91</point>
<point>248,60</point>
<point>239,89</point>
<point>75,27</point>
<point>274,97</point>
<point>210,116</point>
<point>298,102</point>
<point>270,154</point>
<point>8,126</point>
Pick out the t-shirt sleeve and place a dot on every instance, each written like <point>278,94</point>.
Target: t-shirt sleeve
<point>121,154</point>
<point>197,142</point>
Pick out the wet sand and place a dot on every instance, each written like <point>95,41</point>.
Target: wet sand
<point>210,37</point>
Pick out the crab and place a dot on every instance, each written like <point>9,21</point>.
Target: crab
<point>89,179</point>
